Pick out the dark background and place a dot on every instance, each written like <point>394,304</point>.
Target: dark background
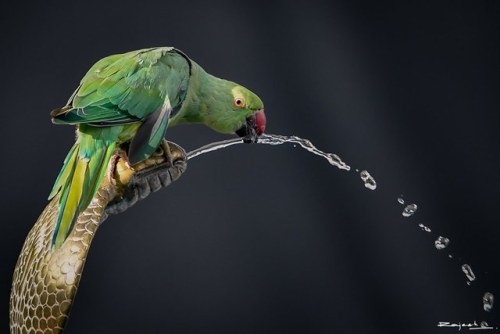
<point>260,239</point>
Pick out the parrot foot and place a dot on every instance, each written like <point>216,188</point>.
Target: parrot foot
<point>118,159</point>
<point>137,182</point>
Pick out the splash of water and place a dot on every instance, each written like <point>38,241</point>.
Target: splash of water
<point>401,200</point>
<point>488,300</point>
<point>368,180</point>
<point>270,139</point>
<point>409,210</point>
<point>468,273</point>
<point>441,243</point>
<point>424,228</point>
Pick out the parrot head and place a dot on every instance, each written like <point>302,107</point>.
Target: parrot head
<point>251,105</point>
<point>222,105</point>
<point>237,110</point>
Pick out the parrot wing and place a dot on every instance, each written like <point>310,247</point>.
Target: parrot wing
<point>138,86</point>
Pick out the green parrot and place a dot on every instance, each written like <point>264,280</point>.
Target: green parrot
<point>129,100</point>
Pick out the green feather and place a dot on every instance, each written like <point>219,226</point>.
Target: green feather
<point>150,134</point>
<point>65,172</point>
<point>82,175</point>
<point>69,201</point>
<point>97,115</point>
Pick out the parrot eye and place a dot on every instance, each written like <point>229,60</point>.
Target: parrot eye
<point>239,102</point>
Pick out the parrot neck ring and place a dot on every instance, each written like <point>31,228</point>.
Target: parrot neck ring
<point>254,126</point>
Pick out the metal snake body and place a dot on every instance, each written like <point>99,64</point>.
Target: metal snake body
<point>45,281</point>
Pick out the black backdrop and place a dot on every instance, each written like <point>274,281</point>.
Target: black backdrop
<point>258,239</point>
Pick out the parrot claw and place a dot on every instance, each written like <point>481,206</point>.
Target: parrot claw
<point>173,152</point>
<point>120,157</point>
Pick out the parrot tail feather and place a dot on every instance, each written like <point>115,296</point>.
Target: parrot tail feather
<point>77,183</point>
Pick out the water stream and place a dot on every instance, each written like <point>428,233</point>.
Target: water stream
<point>369,182</point>
<point>269,139</point>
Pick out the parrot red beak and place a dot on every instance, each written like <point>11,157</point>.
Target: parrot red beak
<point>254,126</point>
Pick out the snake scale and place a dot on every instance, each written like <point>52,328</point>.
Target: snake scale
<point>45,281</point>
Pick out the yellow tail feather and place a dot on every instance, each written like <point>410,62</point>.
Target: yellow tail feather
<point>78,182</point>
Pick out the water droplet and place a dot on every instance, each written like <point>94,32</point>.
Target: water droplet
<point>369,181</point>
<point>441,242</point>
<point>488,300</point>
<point>450,256</point>
<point>409,210</point>
<point>468,273</point>
<point>401,200</point>
<point>424,228</point>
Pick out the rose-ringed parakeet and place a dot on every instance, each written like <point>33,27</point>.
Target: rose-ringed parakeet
<point>129,100</point>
